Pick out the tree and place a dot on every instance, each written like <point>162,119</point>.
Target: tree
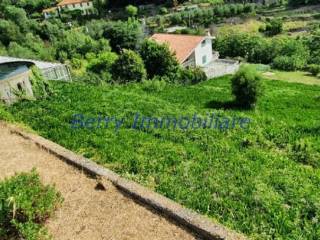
<point>123,35</point>
<point>158,58</point>
<point>9,32</point>
<point>76,42</point>
<point>131,10</point>
<point>18,16</point>
<point>128,67</point>
<point>101,6</point>
<point>15,50</point>
<point>246,87</point>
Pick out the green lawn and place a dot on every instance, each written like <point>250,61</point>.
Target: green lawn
<point>298,77</point>
<point>263,181</point>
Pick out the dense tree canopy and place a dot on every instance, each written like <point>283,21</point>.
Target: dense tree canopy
<point>123,34</point>
<point>158,58</point>
<point>129,67</point>
<point>283,52</point>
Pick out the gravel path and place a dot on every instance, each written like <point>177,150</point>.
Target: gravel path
<point>86,213</point>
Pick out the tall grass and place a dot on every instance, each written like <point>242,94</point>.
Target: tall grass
<point>249,180</point>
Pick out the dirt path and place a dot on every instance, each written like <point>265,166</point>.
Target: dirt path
<point>86,213</point>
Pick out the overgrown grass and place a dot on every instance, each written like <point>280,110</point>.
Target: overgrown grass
<point>25,204</point>
<point>263,181</point>
<point>298,77</point>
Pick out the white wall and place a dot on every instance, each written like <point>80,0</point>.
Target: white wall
<point>80,6</point>
<point>204,50</point>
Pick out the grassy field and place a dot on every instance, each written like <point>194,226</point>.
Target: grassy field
<point>298,77</point>
<point>263,181</point>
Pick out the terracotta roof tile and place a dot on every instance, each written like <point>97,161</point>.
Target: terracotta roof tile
<point>67,2</point>
<point>182,45</point>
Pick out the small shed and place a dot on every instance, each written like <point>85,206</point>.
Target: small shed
<point>14,79</point>
<point>50,70</point>
<point>15,76</point>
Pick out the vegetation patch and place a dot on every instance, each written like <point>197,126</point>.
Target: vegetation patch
<point>25,205</point>
<point>262,181</point>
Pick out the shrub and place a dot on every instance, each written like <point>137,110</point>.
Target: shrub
<point>314,69</point>
<point>274,27</point>
<point>92,78</point>
<point>40,86</point>
<point>102,62</point>
<point>288,63</point>
<point>25,204</point>
<point>128,67</point>
<point>246,87</point>
<point>76,63</point>
<point>190,76</point>
<point>131,10</point>
<point>249,8</point>
<point>163,10</point>
<point>155,85</point>
<point>158,59</point>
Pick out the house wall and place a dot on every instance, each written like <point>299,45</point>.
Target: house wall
<point>190,61</point>
<point>203,51</point>
<point>10,85</point>
<point>50,14</point>
<point>85,7</point>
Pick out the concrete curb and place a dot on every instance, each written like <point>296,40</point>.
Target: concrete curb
<point>192,221</point>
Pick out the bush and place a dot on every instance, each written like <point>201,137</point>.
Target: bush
<point>190,76</point>
<point>246,87</point>
<point>288,63</point>
<point>25,204</point>
<point>102,62</point>
<point>158,59</point>
<point>314,69</point>
<point>274,27</point>
<point>128,67</point>
<point>131,10</point>
<point>155,85</point>
<point>40,86</point>
<point>163,10</point>
<point>76,63</point>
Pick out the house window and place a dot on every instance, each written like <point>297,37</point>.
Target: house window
<point>204,59</point>
<point>73,5</point>
<point>80,4</point>
<point>203,43</point>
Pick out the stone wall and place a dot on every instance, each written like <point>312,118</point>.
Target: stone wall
<point>14,84</point>
<point>221,67</point>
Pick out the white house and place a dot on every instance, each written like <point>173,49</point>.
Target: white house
<point>196,51</point>
<point>190,50</point>
<point>50,12</point>
<point>85,6</point>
